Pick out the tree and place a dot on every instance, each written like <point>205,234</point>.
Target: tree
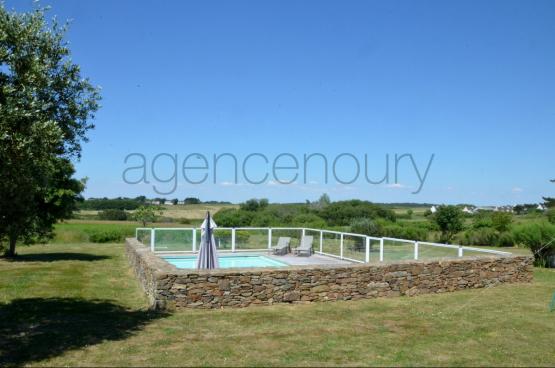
<point>191,200</point>
<point>175,201</point>
<point>45,111</point>
<point>501,221</point>
<point>145,214</point>
<point>254,205</point>
<point>449,220</point>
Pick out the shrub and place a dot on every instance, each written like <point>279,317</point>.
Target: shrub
<point>551,215</point>
<point>405,231</point>
<point>481,236</point>
<point>506,239</point>
<point>342,213</point>
<point>366,226</point>
<point>106,236</point>
<point>146,214</point>
<point>254,205</point>
<point>184,221</point>
<point>539,238</point>
<point>449,220</point>
<point>308,220</point>
<point>113,215</point>
<point>501,221</point>
<point>231,217</point>
<point>482,219</point>
<point>264,219</point>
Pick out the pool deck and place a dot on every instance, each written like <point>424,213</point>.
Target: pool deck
<point>315,259</point>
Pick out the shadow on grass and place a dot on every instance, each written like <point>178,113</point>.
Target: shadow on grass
<point>39,328</point>
<point>53,257</point>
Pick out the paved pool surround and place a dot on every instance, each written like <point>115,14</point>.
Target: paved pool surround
<point>169,288</point>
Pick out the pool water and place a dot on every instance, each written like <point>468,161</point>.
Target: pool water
<point>243,261</point>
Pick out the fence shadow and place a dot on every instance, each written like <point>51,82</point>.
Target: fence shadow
<point>53,257</point>
<point>38,328</point>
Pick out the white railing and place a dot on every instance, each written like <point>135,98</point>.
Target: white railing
<point>351,247</point>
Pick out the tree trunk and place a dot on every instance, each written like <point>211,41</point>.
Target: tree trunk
<point>11,250</point>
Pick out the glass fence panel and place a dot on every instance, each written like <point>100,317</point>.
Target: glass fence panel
<point>477,253</point>
<point>143,236</point>
<point>222,237</point>
<point>293,234</point>
<point>246,239</point>
<point>354,247</point>
<point>331,244</point>
<point>173,240</point>
<point>397,250</point>
<point>374,250</point>
<point>426,251</point>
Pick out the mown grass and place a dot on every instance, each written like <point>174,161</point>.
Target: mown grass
<point>79,304</point>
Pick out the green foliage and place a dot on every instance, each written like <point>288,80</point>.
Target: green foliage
<point>539,238</point>
<point>119,203</point>
<point>146,214</point>
<point>551,215</point>
<point>406,231</point>
<point>231,217</point>
<point>342,213</point>
<point>192,200</point>
<point>308,220</point>
<point>501,221</point>
<point>449,220</point>
<point>113,215</point>
<point>45,108</point>
<point>480,236</point>
<point>482,219</point>
<point>254,205</point>
<point>549,202</point>
<point>107,236</point>
<point>366,226</point>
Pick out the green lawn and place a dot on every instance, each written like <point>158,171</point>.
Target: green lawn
<point>66,304</point>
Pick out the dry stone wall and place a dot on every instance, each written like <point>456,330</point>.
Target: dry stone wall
<point>169,288</point>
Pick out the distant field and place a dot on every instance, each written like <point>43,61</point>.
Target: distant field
<point>187,211</point>
<point>194,211</point>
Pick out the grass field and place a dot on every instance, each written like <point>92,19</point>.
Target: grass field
<point>78,304</point>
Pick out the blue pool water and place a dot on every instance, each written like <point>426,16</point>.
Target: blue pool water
<point>228,261</point>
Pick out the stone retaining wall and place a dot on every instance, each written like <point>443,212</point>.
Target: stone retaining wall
<point>168,287</point>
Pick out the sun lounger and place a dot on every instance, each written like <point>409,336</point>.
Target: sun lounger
<point>282,246</point>
<point>305,249</point>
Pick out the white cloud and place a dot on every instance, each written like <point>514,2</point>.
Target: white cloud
<point>517,190</point>
<point>396,186</point>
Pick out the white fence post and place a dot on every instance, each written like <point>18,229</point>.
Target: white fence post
<point>194,240</point>
<point>321,241</point>
<point>152,235</point>
<point>367,257</point>
<point>304,233</point>
<point>381,250</point>
<point>233,239</point>
<point>460,251</point>
<point>269,238</point>
<point>341,245</point>
<point>137,233</point>
<point>416,250</point>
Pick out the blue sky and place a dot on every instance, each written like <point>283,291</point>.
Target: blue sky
<point>471,82</point>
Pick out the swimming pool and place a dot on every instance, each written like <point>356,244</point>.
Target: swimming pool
<point>232,261</point>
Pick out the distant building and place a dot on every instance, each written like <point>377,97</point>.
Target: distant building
<point>467,210</point>
<point>433,209</point>
<point>541,207</point>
